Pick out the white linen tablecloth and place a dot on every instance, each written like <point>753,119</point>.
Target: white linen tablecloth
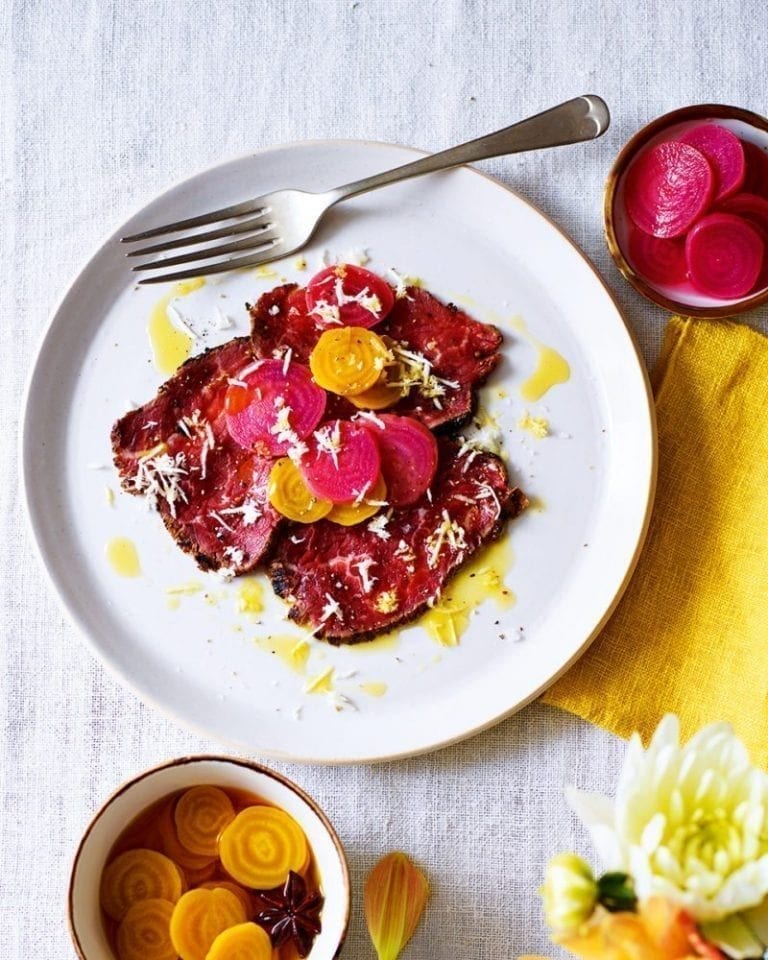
<point>105,102</point>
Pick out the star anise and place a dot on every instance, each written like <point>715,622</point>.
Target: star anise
<point>290,914</point>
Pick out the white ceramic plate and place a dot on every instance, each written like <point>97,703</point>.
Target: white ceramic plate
<point>470,240</point>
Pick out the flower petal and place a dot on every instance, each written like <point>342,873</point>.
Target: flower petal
<point>596,813</point>
<point>395,896</point>
<point>689,823</point>
<point>592,809</point>
<point>653,833</point>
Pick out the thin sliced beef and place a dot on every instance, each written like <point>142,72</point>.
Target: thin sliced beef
<point>459,348</point>
<point>279,319</point>
<point>323,569</point>
<point>210,492</point>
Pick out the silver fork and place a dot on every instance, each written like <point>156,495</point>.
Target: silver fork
<point>282,222</point>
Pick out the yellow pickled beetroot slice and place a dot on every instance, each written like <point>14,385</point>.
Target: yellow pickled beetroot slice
<point>199,917</point>
<point>246,941</point>
<point>388,389</point>
<point>261,846</point>
<point>194,865</point>
<point>240,892</point>
<point>197,877</point>
<point>201,814</point>
<point>348,514</point>
<point>289,494</point>
<point>138,875</point>
<point>145,932</point>
<point>348,360</point>
<point>382,394</point>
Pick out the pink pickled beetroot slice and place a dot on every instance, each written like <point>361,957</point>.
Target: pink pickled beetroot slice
<point>349,295</point>
<point>668,188</point>
<point>657,259</point>
<point>724,255</point>
<point>750,206</point>
<point>342,461</point>
<point>725,153</point>
<point>408,457</point>
<point>756,179</point>
<point>254,412</point>
<point>754,209</point>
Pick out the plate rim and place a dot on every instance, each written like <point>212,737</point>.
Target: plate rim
<point>190,725</point>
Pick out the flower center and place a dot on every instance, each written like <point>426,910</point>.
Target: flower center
<point>701,853</point>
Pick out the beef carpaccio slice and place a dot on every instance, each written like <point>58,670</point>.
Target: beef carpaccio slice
<point>279,319</point>
<point>210,492</point>
<point>348,583</point>
<point>460,349</point>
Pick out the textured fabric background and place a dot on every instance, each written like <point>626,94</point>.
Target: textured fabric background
<point>102,104</point>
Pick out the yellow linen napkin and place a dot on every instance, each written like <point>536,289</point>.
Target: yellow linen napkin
<point>691,633</point>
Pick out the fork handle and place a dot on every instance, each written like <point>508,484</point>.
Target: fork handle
<point>583,118</point>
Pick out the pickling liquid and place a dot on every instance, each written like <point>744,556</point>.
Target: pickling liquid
<point>154,829</point>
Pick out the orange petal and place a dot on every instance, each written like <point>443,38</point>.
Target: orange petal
<point>611,936</point>
<point>395,896</point>
<point>663,921</point>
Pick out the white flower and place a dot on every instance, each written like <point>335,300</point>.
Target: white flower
<point>689,823</point>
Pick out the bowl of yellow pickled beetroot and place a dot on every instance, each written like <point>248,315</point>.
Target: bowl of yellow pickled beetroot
<point>208,858</point>
<point>686,210</point>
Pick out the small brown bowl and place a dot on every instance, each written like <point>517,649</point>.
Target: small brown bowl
<point>85,923</point>
<point>683,300</point>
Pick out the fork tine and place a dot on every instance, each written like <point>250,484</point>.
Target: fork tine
<point>236,210</point>
<point>223,267</point>
<point>249,243</point>
<point>242,226</point>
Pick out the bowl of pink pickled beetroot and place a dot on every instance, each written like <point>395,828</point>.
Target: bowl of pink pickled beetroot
<point>686,211</point>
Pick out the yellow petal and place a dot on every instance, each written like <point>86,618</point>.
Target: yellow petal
<point>395,896</point>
